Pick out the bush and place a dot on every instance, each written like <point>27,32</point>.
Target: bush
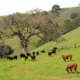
<point>74,15</point>
<point>5,50</point>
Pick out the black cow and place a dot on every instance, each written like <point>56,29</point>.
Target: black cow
<point>22,55</point>
<point>49,53</point>
<point>28,54</point>
<point>33,57</point>
<point>54,50</point>
<point>33,53</point>
<point>15,57</point>
<point>37,53</point>
<point>26,57</point>
<point>11,58</point>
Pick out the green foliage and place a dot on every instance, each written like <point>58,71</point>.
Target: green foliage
<point>5,50</point>
<point>44,13</point>
<point>55,7</point>
<point>74,15</point>
<point>54,11</point>
<point>67,21</point>
<point>71,25</point>
<point>50,33</point>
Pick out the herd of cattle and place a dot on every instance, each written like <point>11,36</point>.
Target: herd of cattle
<point>69,67</point>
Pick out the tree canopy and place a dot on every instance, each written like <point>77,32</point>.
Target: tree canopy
<point>55,7</point>
<point>74,15</point>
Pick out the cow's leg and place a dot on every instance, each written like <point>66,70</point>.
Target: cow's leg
<point>75,71</point>
<point>71,71</point>
<point>64,59</point>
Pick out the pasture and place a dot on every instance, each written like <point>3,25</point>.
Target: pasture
<point>43,68</point>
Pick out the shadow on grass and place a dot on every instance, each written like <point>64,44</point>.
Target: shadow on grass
<point>73,72</point>
<point>70,61</point>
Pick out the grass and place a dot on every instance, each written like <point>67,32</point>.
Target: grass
<point>43,68</point>
<point>15,45</point>
<point>66,12</point>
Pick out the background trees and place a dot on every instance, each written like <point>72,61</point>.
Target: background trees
<point>55,9</point>
<point>5,50</point>
<point>74,15</point>
<point>24,26</point>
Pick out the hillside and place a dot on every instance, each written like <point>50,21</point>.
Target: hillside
<point>66,12</point>
<point>72,38</point>
<point>45,67</point>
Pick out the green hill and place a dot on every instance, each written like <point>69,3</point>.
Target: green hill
<point>66,12</point>
<point>45,67</point>
<point>71,37</point>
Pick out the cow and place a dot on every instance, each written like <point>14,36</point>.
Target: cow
<point>54,50</point>
<point>67,57</point>
<point>42,51</point>
<point>71,67</point>
<point>37,53</point>
<point>49,53</point>
<point>8,57</point>
<point>11,58</point>
<point>33,53</point>
<point>22,55</point>
<point>33,57</point>
<point>28,54</point>
<point>26,57</point>
<point>15,57</point>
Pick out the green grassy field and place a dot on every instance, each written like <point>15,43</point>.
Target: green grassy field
<point>44,67</point>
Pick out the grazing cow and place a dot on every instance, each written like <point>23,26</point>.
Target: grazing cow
<point>28,54</point>
<point>22,55</point>
<point>67,56</point>
<point>37,53</point>
<point>42,51</point>
<point>49,53</point>
<point>26,57</point>
<point>33,53</point>
<point>54,50</point>
<point>70,67</point>
<point>8,57</point>
<point>15,57</point>
<point>11,58</point>
<point>33,57</point>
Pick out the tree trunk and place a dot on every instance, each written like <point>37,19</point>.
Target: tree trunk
<point>25,48</point>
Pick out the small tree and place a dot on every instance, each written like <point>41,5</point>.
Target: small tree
<point>43,13</point>
<point>67,21</point>
<point>74,15</point>
<point>55,7</point>
<point>5,50</point>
